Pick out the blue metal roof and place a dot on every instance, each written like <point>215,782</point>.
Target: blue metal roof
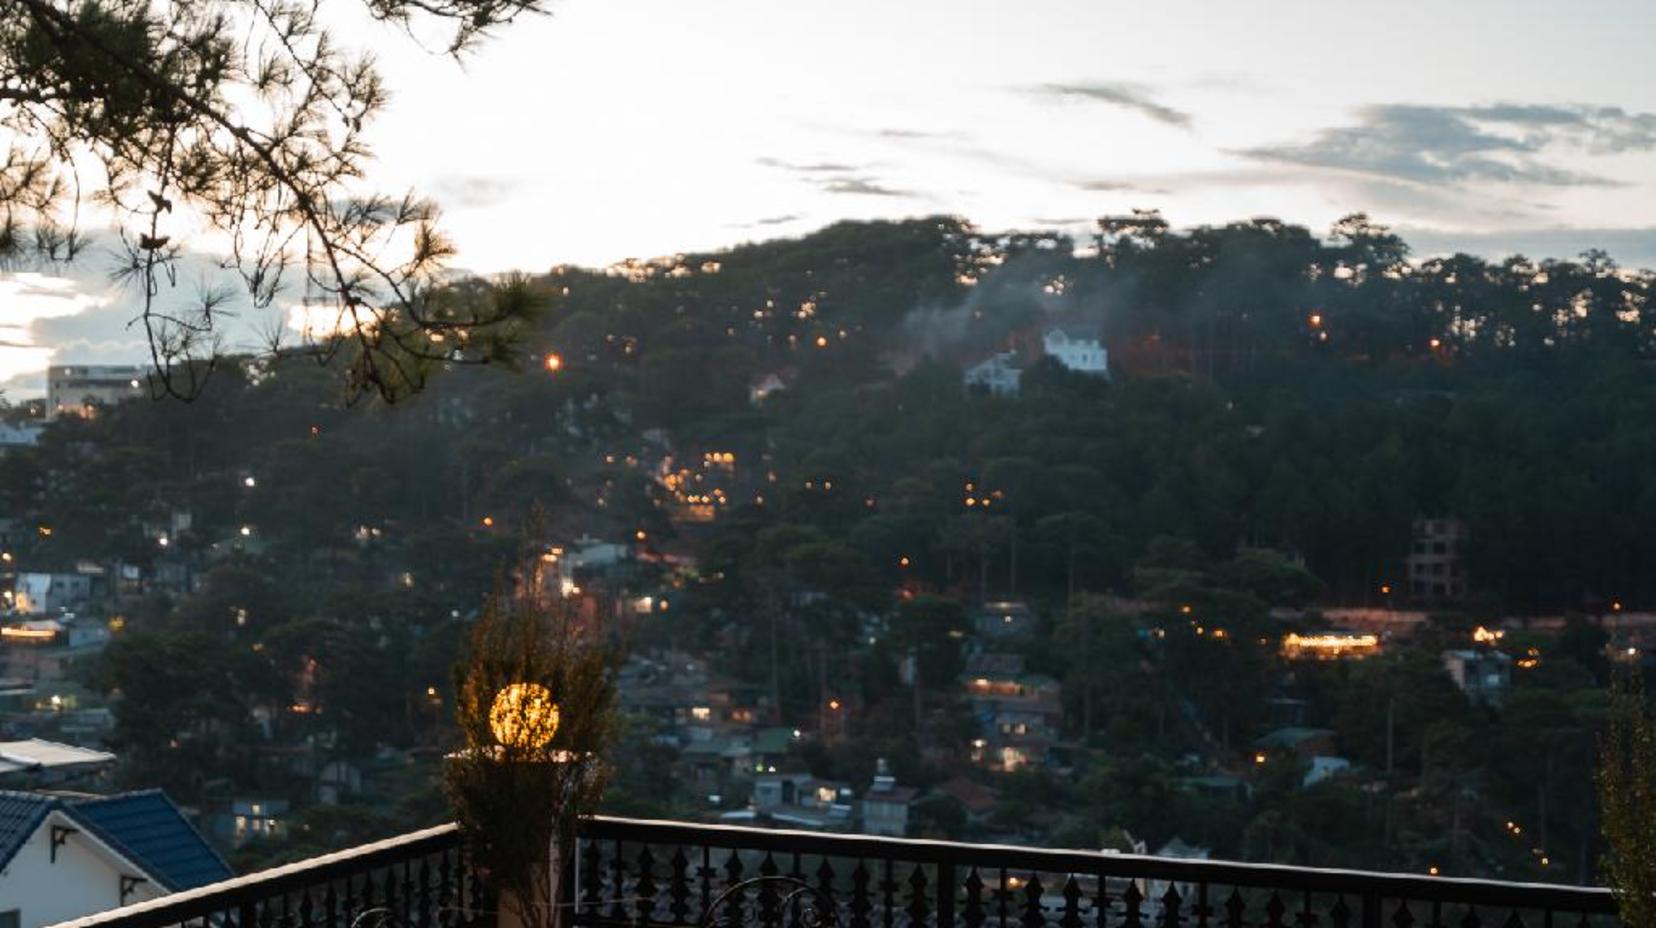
<point>20,815</point>
<point>151,831</point>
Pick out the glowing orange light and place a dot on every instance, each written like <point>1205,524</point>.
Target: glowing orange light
<point>1432,871</point>
<point>1435,344</point>
<point>640,535</point>
<point>30,634</point>
<point>1259,757</point>
<point>523,715</point>
<point>834,704</point>
<point>488,521</point>
<point>1316,320</point>
<point>554,362</point>
<point>903,561</point>
<point>1616,606</point>
<point>822,341</point>
<point>1385,588</point>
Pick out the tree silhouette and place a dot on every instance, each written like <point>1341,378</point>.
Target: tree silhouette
<point>244,118</point>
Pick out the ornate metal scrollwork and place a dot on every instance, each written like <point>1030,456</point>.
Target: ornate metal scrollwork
<point>817,907</point>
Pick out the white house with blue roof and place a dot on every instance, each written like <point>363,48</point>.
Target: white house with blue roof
<point>64,856</point>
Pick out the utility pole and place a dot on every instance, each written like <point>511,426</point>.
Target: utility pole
<point>1391,732</point>
<point>776,677</point>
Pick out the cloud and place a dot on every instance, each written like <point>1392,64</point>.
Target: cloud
<point>862,186</point>
<point>819,167</point>
<point>1121,186</point>
<point>837,178</point>
<point>1501,143</point>
<point>1598,129</point>
<point>473,192</point>
<point>764,221</point>
<point>1133,97</point>
<point>912,135</point>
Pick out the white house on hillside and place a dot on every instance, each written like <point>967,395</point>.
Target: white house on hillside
<point>1080,351</point>
<point>999,375</point>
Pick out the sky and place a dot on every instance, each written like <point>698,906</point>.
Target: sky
<point>635,128</point>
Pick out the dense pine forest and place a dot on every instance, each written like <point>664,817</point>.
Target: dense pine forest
<point>782,433</point>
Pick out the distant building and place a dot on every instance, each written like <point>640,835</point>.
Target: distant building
<point>36,763</point>
<point>1000,375</point>
<point>1003,619</point>
<point>885,807</point>
<point>1018,713</point>
<point>65,857</point>
<point>1156,890</point>
<point>1483,674</point>
<point>1434,565</point>
<point>799,800</point>
<point>1323,768</point>
<point>765,387</point>
<point>80,390</point>
<point>42,651</point>
<point>1077,349</point>
<point>252,819</point>
<point>1303,743</point>
<point>37,593</point>
<point>16,437</point>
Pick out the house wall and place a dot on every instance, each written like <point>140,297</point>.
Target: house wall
<point>83,880</point>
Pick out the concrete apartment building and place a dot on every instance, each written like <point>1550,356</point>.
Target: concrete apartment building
<point>80,389</point>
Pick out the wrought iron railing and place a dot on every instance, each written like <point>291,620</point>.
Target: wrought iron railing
<point>655,874</point>
<point>658,874</point>
<point>418,880</point>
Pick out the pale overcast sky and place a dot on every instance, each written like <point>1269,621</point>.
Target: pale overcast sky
<point>618,128</point>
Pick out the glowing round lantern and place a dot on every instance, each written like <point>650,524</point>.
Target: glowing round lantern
<point>524,716</point>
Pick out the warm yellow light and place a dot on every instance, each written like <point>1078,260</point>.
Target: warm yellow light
<point>903,561</point>
<point>488,521</point>
<point>29,634</point>
<point>1483,635</point>
<point>1385,589</point>
<point>1329,644</point>
<point>1432,871</point>
<point>834,704</point>
<point>1316,320</point>
<point>640,535</point>
<point>1616,606</point>
<point>822,341</point>
<point>554,362</point>
<point>524,716</point>
<point>1259,758</point>
<point>1435,343</point>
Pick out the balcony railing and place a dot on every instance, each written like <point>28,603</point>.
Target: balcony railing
<point>655,874</point>
<point>419,879</point>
